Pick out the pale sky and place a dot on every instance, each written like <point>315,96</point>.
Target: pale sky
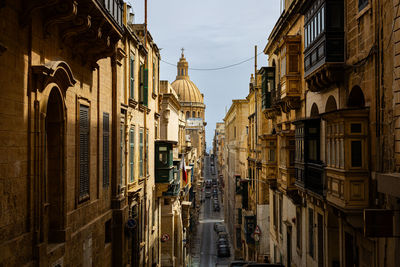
<point>214,33</point>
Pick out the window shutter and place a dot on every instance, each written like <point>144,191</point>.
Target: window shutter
<point>132,77</point>
<point>146,87</point>
<point>141,152</point>
<point>131,152</point>
<point>154,77</point>
<point>83,152</point>
<point>122,148</point>
<point>106,147</point>
<point>141,80</point>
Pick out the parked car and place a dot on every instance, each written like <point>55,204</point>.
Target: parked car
<point>217,224</point>
<point>237,263</point>
<point>223,250</point>
<point>222,241</point>
<point>208,194</point>
<point>221,228</point>
<point>223,235</point>
<point>263,265</point>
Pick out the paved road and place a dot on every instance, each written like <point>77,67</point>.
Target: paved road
<point>206,235</point>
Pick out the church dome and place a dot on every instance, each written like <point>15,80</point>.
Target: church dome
<point>183,86</point>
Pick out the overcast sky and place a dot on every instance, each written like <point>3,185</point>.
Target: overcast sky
<point>214,33</point>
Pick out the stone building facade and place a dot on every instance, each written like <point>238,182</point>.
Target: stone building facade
<point>235,156</point>
<point>69,187</point>
<point>328,94</point>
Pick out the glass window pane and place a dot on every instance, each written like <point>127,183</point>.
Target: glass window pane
<point>323,17</point>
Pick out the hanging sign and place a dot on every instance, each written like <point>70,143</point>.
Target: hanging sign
<point>165,237</point>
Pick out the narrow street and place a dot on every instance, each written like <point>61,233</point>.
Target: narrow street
<point>206,253</point>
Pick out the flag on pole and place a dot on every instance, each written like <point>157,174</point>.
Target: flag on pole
<point>183,168</point>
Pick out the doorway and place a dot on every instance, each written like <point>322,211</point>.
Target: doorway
<point>54,155</point>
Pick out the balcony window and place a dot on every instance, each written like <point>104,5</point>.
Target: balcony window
<point>268,85</point>
<point>356,154</point>
<point>132,76</point>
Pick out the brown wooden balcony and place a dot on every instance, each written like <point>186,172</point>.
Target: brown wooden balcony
<point>324,43</point>
<point>290,81</point>
<point>347,150</point>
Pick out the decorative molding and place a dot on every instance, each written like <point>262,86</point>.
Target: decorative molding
<point>64,12</point>
<point>58,71</point>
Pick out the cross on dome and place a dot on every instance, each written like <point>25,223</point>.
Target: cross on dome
<point>183,49</point>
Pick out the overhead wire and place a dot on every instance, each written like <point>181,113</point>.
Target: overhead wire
<point>217,68</point>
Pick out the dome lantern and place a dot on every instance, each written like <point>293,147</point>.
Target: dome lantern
<point>183,67</point>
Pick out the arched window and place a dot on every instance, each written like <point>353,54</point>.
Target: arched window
<point>187,114</point>
<point>193,114</point>
<point>356,98</point>
<point>198,114</point>
<point>182,72</point>
<point>330,104</point>
<point>314,111</point>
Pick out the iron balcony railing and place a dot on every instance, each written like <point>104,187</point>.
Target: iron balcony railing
<point>115,9</point>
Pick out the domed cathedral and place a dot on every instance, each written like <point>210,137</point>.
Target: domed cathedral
<point>190,98</point>
<point>192,105</point>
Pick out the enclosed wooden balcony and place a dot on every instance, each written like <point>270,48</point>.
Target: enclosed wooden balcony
<point>164,166</point>
<point>287,173</point>
<point>290,81</point>
<point>309,167</point>
<point>347,150</point>
<point>324,43</point>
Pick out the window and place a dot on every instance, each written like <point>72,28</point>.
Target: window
<point>106,149</point>
<point>107,232</point>
<point>239,219</point>
<point>271,156</point>
<point>122,154</point>
<point>298,227</point>
<point>306,36</point>
<point>311,232</point>
<point>132,76</point>
<point>356,156</point>
<point>292,155</point>
<point>193,114</point>
<point>144,80</point>
<point>147,152</point>
<point>141,135</point>
<point>84,159</point>
<point>154,77</point>
<point>131,153</point>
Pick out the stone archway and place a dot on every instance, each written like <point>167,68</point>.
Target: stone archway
<point>54,165</point>
<point>314,111</point>
<point>330,104</point>
<point>356,98</point>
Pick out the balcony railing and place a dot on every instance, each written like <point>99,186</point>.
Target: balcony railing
<point>115,9</point>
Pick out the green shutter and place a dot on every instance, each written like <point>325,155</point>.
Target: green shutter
<point>132,77</point>
<point>146,88</point>
<point>154,78</point>
<point>106,152</point>
<point>83,152</point>
<point>131,152</point>
<point>141,83</point>
<point>141,153</point>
